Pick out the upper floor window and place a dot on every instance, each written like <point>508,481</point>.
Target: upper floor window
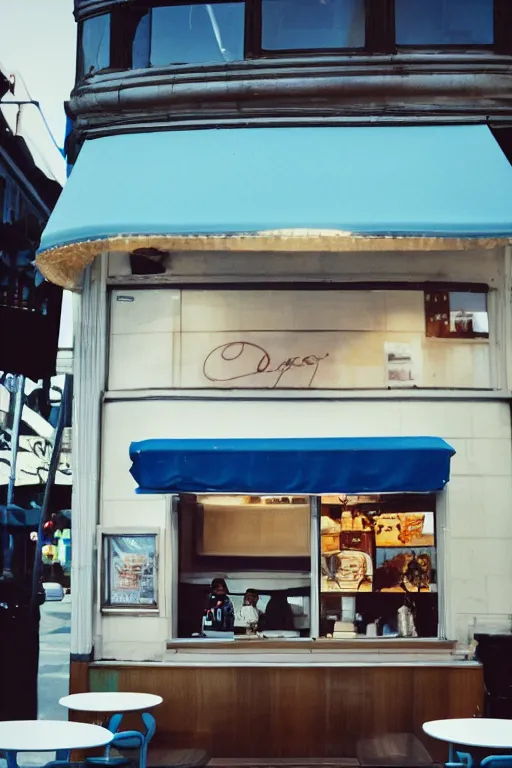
<point>312,24</point>
<point>444,22</point>
<point>197,34</point>
<point>94,45</point>
<point>159,33</point>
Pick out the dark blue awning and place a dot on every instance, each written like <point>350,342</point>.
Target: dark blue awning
<point>292,465</point>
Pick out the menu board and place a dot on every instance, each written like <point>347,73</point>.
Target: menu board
<point>130,570</point>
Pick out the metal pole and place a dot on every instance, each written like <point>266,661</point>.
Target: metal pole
<point>52,471</point>
<point>15,435</point>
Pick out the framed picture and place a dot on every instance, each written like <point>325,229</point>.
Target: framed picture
<point>406,570</point>
<point>130,570</point>
<point>404,529</point>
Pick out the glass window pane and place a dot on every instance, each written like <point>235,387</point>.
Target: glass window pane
<point>312,24</point>
<point>468,313</point>
<point>95,52</point>
<point>373,551</point>
<point>197,34</point>
<point>444,22</point>
<point>262,547</point>
<point>140,47</point>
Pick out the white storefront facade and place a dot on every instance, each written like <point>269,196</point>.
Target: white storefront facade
<point>156,341</point>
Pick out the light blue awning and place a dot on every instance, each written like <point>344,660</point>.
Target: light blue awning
<point>444,181</point>
<point>292,465</point>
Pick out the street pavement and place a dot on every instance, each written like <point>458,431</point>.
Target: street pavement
<point>54,638</point>
<point>53,680</point>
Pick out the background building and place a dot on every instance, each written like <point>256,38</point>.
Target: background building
<point>36,347</point>
<point>30,399</point>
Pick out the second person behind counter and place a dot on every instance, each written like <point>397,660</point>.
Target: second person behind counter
<point>249,614</point>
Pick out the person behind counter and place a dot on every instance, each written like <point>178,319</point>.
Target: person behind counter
<point>250,614</point>
<point>219,615</point>
<point>279,615</point>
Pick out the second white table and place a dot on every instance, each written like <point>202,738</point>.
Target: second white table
<point>472,732</point>
<point>111,702</point>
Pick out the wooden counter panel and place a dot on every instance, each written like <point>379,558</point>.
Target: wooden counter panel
<point>296,712</point>
<point>245,644</point>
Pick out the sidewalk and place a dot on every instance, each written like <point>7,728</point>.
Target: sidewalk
<point>54,633</point>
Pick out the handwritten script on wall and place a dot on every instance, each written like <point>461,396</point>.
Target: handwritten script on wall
<point>238,360</point>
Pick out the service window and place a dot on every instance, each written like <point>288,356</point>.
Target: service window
<point>337,567</point>
<point>244,567</point>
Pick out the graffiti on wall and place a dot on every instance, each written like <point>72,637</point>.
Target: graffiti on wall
<point>41,402</point>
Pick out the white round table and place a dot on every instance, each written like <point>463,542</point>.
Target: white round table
<point>118,702</point>
<point>472,732</point>
<point>50,736</point>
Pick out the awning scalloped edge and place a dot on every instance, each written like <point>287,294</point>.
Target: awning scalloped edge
<point>64,265</point>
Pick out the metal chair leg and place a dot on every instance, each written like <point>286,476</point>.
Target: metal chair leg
<point>12,759</point>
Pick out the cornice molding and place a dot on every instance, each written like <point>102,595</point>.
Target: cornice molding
<point>361,89</point>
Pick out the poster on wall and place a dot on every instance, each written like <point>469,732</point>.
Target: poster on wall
<point>130,570</point>
<point>346,571</point>
<point>400,365</point>
<point>406,570</point>
<point>404,529</point>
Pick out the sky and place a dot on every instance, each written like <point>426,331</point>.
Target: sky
<point>38,46</point>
